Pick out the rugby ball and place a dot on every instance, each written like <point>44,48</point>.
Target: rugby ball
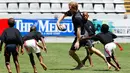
<point>63,27</point>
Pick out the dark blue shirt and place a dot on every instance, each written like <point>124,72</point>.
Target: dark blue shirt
<point>11,36</point>
<point>33,35</point>
<point>77,21</point>
<point>104,38</point>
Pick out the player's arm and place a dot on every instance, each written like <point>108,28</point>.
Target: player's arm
<point>59,20</point>
<point>78,37</point>
<point>19,37</point>
<point>2,39</point>
<point>114,36</point>
<point>68,13</point>
<point>1,43</point>
<point>44,45</point>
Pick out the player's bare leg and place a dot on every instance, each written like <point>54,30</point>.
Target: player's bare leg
<point>15,59</point>
<point>41,61</point>
<point>88,57</point>
<point>33,62</point>
<point>76,58</point>
<point>115,60</point>
<point>97,52</point>
<point>109,60</point>
<point>7,63</point>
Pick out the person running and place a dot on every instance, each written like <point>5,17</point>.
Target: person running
<point>107,39</point>
<point>31,45</point>
<point>89,27</point>
<point>12,39</point>
<point>78,31</point>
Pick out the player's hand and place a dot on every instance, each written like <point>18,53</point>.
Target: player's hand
<point>22,51</point>
<point>59,26</point>
<point>45,49</point>
<point>76,45</point>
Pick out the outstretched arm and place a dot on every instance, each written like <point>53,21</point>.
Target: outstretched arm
<point>44,45</point>
<point>59,20</point>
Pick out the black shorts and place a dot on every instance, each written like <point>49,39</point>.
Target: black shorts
<point>82,43</point>
<point>11,49</point>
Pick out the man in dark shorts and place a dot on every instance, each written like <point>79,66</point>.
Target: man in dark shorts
<point>12,39</point>
<point>78,31</point>
<point>31,45</point>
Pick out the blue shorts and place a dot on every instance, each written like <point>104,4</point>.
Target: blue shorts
<point>11,49</point>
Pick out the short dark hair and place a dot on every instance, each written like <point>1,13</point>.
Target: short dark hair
<point>104,28</point>
<point>33,28</point>
<point>11,22</point>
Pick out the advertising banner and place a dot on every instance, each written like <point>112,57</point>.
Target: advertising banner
<point>47,27</point>
<point>3,25</point>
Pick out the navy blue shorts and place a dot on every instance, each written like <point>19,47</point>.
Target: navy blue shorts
<point>11,49</point>
<point>82,43</point>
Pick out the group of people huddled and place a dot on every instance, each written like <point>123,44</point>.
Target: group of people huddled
<point>84,31</point>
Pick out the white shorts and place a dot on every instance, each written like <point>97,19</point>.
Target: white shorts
<point>109,49</point>
<point>31,47</point>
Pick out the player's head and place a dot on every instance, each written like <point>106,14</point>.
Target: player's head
<point>104,28</point>
<point>33,28</point>
<point>11,22</point>
<point>85,15</point>
<point>73,6</point>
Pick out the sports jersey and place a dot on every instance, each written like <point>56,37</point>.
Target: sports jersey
<point>77,21</point>
<point>33,35</point>
<point>12,36</point>
<point>89,27</point>
<point>104,38</point>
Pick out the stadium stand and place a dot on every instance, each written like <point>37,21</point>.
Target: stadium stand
<point>23,7</point>
<point>34,8</point>
<point>3,8</point>
<point>56,7</point>
<point>109,8</point>
<point>51,8</point>
<point>107,1</point>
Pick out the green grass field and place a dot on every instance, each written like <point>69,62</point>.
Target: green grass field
<point>58,60</point>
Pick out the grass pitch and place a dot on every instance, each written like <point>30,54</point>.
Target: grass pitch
<point>58,60</point>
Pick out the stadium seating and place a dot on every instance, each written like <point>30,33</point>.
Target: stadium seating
<point>88,7</point>
<point>45,7</point>
<point>120,8</point>
<point>34,7</point>
<point>98,8</point>
<point>109,7</point>
<point>84,1</point>
<point>3,8</point>
<point>12,7</point>
<point>64,7</point>
<point>118,1</point>
<point>56,7</point>
<point>52,7</point>
<point>97,1</point>
<point>23,7</point>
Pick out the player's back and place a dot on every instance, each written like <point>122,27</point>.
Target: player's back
<point>11,36</point>
<point>32,35</point>
<point>106,37</point>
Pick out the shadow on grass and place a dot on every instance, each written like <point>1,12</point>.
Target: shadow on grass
<point>60,69</point>
<point>25,72</point>
<point>102,70</point>
<point>71,69</point>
